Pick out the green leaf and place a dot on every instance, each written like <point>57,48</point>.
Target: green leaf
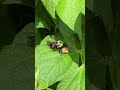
<point>95,50</point>
<point>114,64</point>
<point>19,57</point>
<point>103,9</point>
<point>90,4</point>
<point>42,18</point>
<point>50,5</point>
<point>42,84</point>
<point>95,80</point>
<point>37,37</point>
<point>105,13</point>
<point>40,24</point>
<point>76,81</point>
<point>36,3</point>
<point>52,66</point>
<point>69,11</point>
<point>22,37</point>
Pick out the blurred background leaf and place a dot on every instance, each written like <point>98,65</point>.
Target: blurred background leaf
<point>19,60</point>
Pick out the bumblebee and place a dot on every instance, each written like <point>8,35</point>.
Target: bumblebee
<point>64,50</point>
<point>55,44</point>
<point>59,45</point>
<point>52,44</point>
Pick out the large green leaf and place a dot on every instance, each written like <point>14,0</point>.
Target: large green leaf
<point>52,66</point>
<point>74,82</point>
<point>19,57</point>
<point>50,5</point>
<point>69,11</point>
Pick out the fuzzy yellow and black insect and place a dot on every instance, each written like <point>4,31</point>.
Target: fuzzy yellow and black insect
<point>64,50</point>
<point>59,45</point>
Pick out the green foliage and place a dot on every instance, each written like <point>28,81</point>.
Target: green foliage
<point>57,21</point>
<point>50,6</point>
<point>103,45</point>
<point>69,11</point>
<point>51,66</point>
<point>75,81</point>
<point>64,20</point>
<point>18,59</point>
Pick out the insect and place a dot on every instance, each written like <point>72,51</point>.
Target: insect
<point>64,50</point>
<point>55,44</point>
<point>59,45</point>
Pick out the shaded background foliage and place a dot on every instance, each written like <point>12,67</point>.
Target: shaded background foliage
<point>13,18</point>
<point>102,45</point>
